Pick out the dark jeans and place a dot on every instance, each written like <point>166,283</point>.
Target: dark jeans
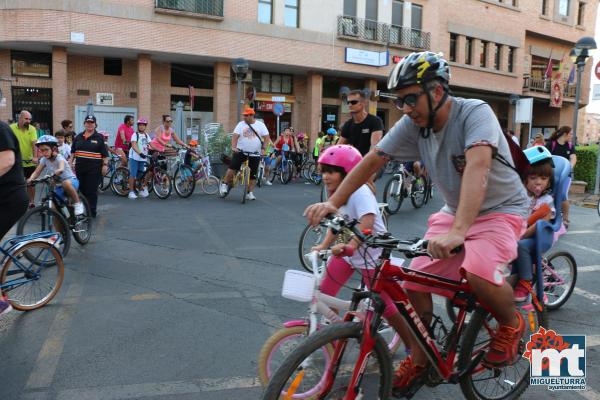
<point>523,264</point>
<point>88,186</point>
<point>12,206</point>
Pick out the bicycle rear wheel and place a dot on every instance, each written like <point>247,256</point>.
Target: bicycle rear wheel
<point>393,195</point>
<point>210,184</point>
<point>184,181</point>
<point>41,219</point>
<point>418,193</point>
<point>31,285</point>
<point>119,182</point>
<point>560,277</point>
<point>303,371</point>
<point>287,169</point>
<point>161,184</point>
<point>82,228</point>
<point>504,383</point>
<point>105,181</point>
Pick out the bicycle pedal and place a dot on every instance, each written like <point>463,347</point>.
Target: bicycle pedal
<point>411,390</point>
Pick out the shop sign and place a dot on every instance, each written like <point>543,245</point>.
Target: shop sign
<point>331,117</point>
<point>77,37</point>
<point>366,57</point>
<point>104,99</point>
<point>278,99</point>
<point>268,106</point>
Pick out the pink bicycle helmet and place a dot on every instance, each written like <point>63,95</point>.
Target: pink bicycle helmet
<point>301,136</point>
<point>341,155</point>
<point>142,121</point>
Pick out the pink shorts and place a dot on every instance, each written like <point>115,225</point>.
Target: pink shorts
<point>490,245</point>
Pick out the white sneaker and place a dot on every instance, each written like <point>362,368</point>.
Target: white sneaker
<point>143,192</point>
<point>223,189</point>
<point>79,209</point>
<point>268,183</point>
<point>250,196</point>
<point>132,195</point>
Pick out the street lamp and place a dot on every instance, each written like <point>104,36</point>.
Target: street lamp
<point>579,54</point>
<point>513,99</point>
<point>240,69</point>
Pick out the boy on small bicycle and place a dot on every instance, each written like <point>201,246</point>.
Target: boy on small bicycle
<point>54,163</point>
<point>335,163</point>
<point>138,153</point>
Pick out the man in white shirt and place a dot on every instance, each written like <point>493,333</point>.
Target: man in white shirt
<point>250,138</point>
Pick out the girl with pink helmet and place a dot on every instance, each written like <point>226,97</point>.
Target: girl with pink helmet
<point>336,162</point>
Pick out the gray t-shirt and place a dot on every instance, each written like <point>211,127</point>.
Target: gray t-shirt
<point>471,123</point>
<point>53,165</point>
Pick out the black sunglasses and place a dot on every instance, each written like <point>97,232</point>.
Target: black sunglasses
<point>353,102</point>
<point>168,120</point>
<point>410,100</point>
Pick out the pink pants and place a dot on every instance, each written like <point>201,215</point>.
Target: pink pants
<point>339,272</point>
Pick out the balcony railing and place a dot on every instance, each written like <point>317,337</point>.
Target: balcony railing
<point>206,7</point>
<point>365,29</point>
<point>542,85</point>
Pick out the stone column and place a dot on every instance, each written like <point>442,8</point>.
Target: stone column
<point>476,52</point>
<point>6,112</point>
<point>371,84</point>
<point>491,48</point>
<point>461,43</point>
<point>60,93</point>
<point>144,90</point>
<point>314,96</point>
<point>503,57</point>
<point>222,95</point>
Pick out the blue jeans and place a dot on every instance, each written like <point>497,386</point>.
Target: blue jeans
<point>523,264</point>
<point>60,192</point>
<point>136,168</point>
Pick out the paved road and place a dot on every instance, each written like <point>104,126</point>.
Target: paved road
<point>173,300</point>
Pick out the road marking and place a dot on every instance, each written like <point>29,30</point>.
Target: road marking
<point>589,268</point>
<point>588,295</point>
<point>143,390</point>
<point>592,340</point>
<point>580,232</point>
<point>578,246</point>
<point>48,357</point>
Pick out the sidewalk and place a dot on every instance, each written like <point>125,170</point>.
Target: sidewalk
<point>584,199</point>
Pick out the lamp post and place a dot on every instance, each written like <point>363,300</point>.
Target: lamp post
<point>513,99</point>
<point>579,54</point>
<point>240,69</point>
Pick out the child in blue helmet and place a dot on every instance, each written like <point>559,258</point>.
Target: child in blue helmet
<point>538,182</point>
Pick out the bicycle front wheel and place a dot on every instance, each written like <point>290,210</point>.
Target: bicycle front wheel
<point>287,169</point>
<point>119,182</point>
<point>184,181</point>
<point>303,372</point>
<point>210,184</point>
<point>278,346</point>
<point>418,193</point>
<point>41,219</point>
<point>504,383</point>
<point>32,284</point>
<point>82,228</point>
<point>161,184</point>
<point>245,183</point>
<point>392,195</point>
<point>560,276</point>
<point>310,237</point>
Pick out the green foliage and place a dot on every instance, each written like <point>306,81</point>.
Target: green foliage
<point>585,169</point>
<point>219,143</point>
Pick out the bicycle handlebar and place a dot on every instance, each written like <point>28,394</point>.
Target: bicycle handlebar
<point>45,179</point>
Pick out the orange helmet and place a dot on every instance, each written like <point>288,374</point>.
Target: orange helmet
<point>193,143</point>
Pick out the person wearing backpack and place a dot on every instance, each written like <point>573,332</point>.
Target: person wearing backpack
<point>560,143</point>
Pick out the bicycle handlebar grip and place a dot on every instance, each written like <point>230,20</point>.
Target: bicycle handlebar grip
<point>348,251</point>
<point>456,250</point>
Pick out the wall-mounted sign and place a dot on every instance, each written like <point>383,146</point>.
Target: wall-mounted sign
<point>524,111</point>
<point>268,106</point>
<point>104,99</point>
<point>366,57</point>
<point>278,109</point>
<point>596,91</point>
<point>278,99</point>
<point>331,117</point>
<point>77,37</point>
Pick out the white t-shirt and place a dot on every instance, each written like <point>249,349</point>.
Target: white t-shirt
<point>248,141</point>
<point>142,141</point>
<point>536,202</point>
<point>65,150</point>
<point>363,202</point>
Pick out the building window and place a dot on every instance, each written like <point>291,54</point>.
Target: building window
<point>272,83</point>
<point>452,47</point>
<point>563,7</point>
<point>331,89</point>
<point>483,54</point>
<point>468,50</point>
<point>497,57</point>
<point>350,8</point>
<point>26,63</point>
<point>397,12</point>
<point>580,13</point>
<point>511,59</point>
<point>371,10</point>
<point>201,103</point>
<point>113,66</point>
<point>292,16</point>
<point>416,17</point>
<point>198,76</point>
<point>265,11</point>
<point>545,7</point>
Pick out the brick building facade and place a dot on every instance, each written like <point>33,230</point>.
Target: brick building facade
<point>56,56</point>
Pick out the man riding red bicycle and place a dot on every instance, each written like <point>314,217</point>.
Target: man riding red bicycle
<point>461,142</point>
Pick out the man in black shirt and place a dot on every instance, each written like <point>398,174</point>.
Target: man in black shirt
<point>363,130</point>
<point>13,195</point>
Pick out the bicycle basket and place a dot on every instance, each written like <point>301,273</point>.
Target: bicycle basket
<point>298,285</point>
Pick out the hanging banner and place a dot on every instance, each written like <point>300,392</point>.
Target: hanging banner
<point>556,93</point>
